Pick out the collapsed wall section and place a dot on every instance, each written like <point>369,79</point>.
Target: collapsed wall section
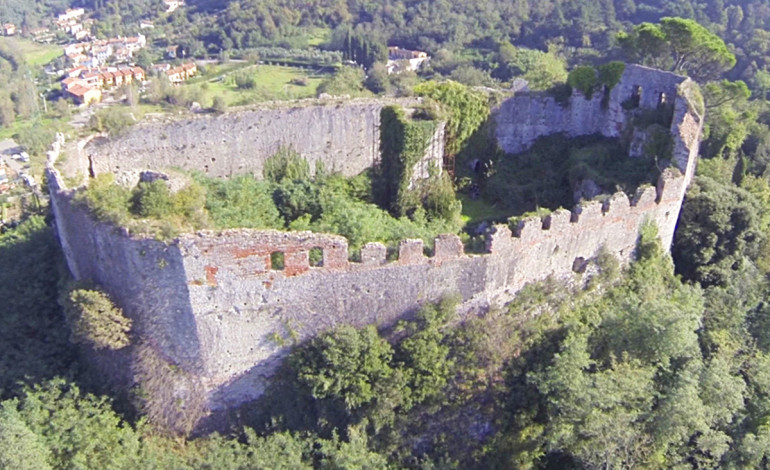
<point>524,118</point>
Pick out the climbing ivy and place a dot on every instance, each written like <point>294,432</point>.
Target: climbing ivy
<point>464,110</point>
<point>402,144</point>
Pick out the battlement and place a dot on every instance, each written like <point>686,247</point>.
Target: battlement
<point>251,253</point>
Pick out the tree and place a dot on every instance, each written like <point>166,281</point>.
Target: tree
<point>377,80</point>
<point>79,430</point>
<point>20,448</point>
<point>680,45</point>
<point>347,81</point>
<point>95,320</point>
<point>717,94</point>
<point>352,455</point>
<point>348,365</point>
<point>36,139</point>
<point>695,49</point>
<point>33,344</point>
<point>719,232</point>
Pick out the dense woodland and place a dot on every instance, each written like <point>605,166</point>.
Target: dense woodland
<point>663,364</point>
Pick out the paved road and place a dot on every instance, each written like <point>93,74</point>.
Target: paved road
<point>7,148</point>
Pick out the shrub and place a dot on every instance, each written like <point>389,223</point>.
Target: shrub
<point>113,120</point>
<point>611,73</point>
<point>583,78</point>
<point>219,105</point>
<point>152,199</point>
<point>286,164</point>
<point>245,81</point>
<point>95,320</point>
<point>106,200</point>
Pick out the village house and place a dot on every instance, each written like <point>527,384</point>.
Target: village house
<point>99,52</point>
<point>71,22</point>
<point>75,71</point>
<point>38,33</point>
<point>181,73</point>
<point>72,14</point>
<point>172,5</point>
<point>70,82</point>
<point>85,85</point>
<point>9,29</point>
<point>84,95</point>
<point>405,60</point>
<point>83,34</point>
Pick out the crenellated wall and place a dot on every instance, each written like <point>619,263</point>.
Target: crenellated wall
<point>213,304</point>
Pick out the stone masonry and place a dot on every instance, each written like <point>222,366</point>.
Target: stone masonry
<point>344,136</point>
<point>212,303</point>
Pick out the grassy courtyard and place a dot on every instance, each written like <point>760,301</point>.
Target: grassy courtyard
<point>272,82</point>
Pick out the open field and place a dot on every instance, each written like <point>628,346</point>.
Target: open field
<point>35,54</point>
<point>273,82</point>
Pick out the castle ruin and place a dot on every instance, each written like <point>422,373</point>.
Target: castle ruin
<point>211,304</point>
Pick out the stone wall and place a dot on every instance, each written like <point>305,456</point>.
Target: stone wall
<point>213,304</point>
<point>344,136</point>
<point>525,117</point>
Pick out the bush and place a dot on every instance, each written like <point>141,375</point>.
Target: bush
<point>108,201</point>
<point>95,320</point>
<point>113,120</point>
<point>611,73</point>
<point>286,164</point>
<point>245,81</point>
<point>152,199</point>
<point>583,78</point>
<point>219,105</point>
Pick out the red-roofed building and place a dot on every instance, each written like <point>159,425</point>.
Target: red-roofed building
<point>84,94</point>
<point>75,71</point>
<point>93,78</point>
<point>182,72</point>
<point>69,82</point>
<point>108,78</point>
<point>139,74</point>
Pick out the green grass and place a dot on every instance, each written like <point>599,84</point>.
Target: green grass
<point>477,210</point>
<point>35,54</point>
<point>273,83</point>
<point>318,36</point>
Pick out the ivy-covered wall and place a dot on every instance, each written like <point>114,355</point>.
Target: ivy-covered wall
<point>404,145</point>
